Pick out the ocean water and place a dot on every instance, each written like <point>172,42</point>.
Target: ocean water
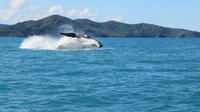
<point>126,75</point>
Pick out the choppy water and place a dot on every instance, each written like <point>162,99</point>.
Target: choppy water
<point>127,75</point>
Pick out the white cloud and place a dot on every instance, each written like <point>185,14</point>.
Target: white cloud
<point>17,3</point>
<point>72,12</point>
<point>12,10</point>
<point>15,13</point>
<point>56,10</point>
<point>33,9</point>
<point>119,19</point>
<point>85,12</point>
<point>2,16</point>
<point>31,13</point>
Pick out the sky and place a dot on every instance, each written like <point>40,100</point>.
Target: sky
<point>183,14</point>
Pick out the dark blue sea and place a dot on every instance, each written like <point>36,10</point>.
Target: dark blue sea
<point>126,75</point>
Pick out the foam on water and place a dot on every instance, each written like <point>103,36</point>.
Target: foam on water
<point>38,42</point>
<point>48,43</point>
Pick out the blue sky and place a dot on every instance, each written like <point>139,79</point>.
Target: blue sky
<point>170,13</point>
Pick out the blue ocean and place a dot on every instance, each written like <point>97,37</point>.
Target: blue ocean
<point>126,75</point>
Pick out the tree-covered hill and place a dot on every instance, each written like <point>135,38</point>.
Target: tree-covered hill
<point>53,24</point>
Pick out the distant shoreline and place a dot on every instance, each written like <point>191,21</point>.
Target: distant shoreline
<point>53,24</point>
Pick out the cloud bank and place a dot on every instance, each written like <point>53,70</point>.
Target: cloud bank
<point>17,12</point>
<point>14,7</point>
<point>72,13</point>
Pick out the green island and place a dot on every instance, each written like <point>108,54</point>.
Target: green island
<point>50,26</point>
